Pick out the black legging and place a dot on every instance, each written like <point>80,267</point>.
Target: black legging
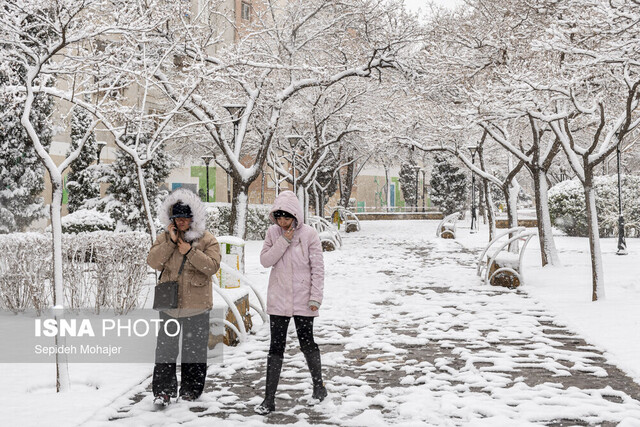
<point>195,335</point>
<point>304,329</point>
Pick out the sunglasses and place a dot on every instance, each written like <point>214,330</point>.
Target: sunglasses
<point>282,214</point>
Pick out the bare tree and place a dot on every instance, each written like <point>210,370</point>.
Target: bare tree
<point>287,48</point>
<point>70,29</point>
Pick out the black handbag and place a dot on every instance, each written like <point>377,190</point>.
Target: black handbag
<point>166,293</point>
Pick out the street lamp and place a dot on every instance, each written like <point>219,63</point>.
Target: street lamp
<point>236,112</point>
<point>417,169</point>
<point>207,160</point>
<point>294,140</point>
<point>474,220</point>
<point>424,173</point>
<point>622,244</point>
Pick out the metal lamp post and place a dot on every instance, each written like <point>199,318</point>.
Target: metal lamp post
<point>622,244</point>
<point>207,160</point>
<point>235,111</point>
<point>417,183</point>
<point>474,219</point>
<point>294,140</point>
<point>424,173</point>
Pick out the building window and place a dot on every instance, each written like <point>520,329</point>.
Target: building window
<point>246,11</point>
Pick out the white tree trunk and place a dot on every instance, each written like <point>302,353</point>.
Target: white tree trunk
<point>62,365</point>
<point>241,204</point>
<point>512,210</point>
<point>489,208</point>
<point>300,190</point>
<point>594,239</point>
<point>62,372</point>
<point>548,250</point>
<point>145,203</point>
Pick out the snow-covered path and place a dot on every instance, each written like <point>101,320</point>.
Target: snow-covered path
<point>410,336</point>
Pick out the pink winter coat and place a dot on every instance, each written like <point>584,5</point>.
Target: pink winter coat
<point>297,273</point>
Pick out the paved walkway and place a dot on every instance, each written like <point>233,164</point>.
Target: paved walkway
<point>411,337</point>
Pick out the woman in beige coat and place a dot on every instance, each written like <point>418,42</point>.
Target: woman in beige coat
<point>190,255</point>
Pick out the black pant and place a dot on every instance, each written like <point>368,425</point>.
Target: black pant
<point>195,336</point>
<point>304,329</point>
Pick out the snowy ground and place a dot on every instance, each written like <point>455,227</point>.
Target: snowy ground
<point>409,336</point>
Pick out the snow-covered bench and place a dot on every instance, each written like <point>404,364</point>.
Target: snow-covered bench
<point>329,235</point>
<point>234,300</point>
<point>447,227</point>
<point>500,267</point>
<point>340,215</point>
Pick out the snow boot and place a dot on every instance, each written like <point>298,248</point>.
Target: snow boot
<point>161,400</point>
<point>315,368</point>
<point>274,366</point>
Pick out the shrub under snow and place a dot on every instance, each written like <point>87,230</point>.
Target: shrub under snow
<point>219,220</point>
<point>569,214</point>
<point>87,220</point>
<point>101,270</point>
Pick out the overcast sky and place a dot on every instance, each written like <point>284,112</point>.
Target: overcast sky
<point>414,5</point>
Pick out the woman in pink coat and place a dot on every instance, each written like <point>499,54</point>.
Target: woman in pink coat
<point>293,251</point>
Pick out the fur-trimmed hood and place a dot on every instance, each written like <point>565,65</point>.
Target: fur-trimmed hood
<point>199,220</point>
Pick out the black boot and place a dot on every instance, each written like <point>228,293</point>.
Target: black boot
<point>274,365</point>
<point>315,367</point>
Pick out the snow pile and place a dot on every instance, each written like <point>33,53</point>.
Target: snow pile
<point>86,220</point>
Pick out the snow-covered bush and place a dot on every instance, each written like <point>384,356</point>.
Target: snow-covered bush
<point>21,171</point>
<point>82,184</point>
<point>219,219</point>
<point>25,271</point>
<point>124,201</point>
<point>87,220</point>
<point>408,183</point>
<point>568,211</point>
<point>102,270</point>
<point>448,186</point>
<point>120,267</point>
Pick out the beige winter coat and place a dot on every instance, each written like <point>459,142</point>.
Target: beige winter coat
<point>203,260</point>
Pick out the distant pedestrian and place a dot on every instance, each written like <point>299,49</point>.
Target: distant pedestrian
<point>296,283</point>
<point>190,255</point>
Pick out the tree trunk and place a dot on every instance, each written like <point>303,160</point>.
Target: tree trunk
<point>62,365</point>
<point>145,203</point>
<point>548,249</point>
<point>62,368</point>
<point>481,211</point>
<point>239,206</point>
<point>387,187</point>
<point>347,185</point>
<point>489,209</point>
<point>594,237</point>
<point>511,191</point>
<point>316,198</point>
<point>303,200</point>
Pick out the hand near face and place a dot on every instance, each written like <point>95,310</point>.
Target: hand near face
<point>289,232</point>
<point>173,233</point>
<point>183,246</point>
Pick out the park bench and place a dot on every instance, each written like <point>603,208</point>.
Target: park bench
<point>341,215</point>
<point>328,233</point>
<point>234,288</point>
<point>447,227</point>
<point>500,267</point>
